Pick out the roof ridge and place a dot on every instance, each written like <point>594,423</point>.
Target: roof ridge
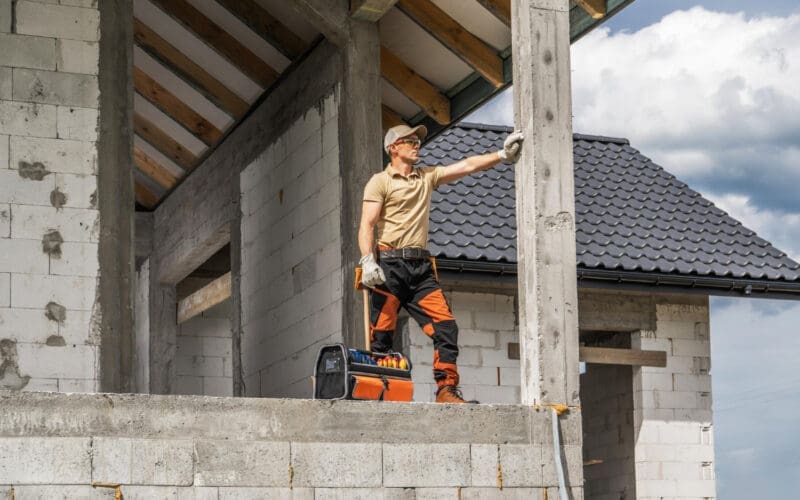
<point>575,135</point>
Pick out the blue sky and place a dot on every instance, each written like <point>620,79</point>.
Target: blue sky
<point>711,91</point>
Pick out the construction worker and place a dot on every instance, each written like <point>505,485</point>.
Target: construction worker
<point>396,266</point>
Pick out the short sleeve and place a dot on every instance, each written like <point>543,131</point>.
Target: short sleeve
<point>375,190</point>
<point>434,175</point>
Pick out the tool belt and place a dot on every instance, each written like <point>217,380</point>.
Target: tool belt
<point>410,253</point>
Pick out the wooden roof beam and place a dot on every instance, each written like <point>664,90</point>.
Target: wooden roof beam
<point>370,10</point>
<point>390,118</point>
<point>175,108</point>
<point>154,170</point>
<point>415,87</point>
<point>160,140</point>
<point>474,51</point>
<point>501,9</point>
<point>144,196</point>
<point>595,8</point>
<point>204,299</point>
<point>267,27</point>
<point>220,40</point>
<point>188,70</point>
<point>613,356</point>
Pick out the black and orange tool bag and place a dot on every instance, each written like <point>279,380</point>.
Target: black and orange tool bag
<point>342,373</point>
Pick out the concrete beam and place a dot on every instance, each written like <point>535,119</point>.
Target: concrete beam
<point>143,233</point>
<point>370,10</point>
<point>360,155</point>
<point>115,197</point>
<point>548,299</point>
<point>330,17</point>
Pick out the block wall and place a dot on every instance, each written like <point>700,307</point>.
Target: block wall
<point>203,357</point>
<point>291,255</point>
<point>487,323</point>
<point>608,436</point>
<point>48,195</point>
<point>54,446</point>
<point>672,407</point>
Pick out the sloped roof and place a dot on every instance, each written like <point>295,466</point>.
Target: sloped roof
<point>633,218</point>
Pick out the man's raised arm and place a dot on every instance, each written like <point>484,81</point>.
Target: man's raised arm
<point>467,166</point>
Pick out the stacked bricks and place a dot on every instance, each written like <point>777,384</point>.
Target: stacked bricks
<point>48,195</point>
<point>248,448</point>
<point>672,407</point>
<point>291,280</point>
<point>203,359</point>
<point>487,323</point>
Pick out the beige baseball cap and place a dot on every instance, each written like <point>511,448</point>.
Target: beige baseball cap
<point>401,131</point>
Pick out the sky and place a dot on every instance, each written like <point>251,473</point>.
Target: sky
<point>710,90</point>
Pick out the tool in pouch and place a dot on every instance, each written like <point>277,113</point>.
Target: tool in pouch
<point>342,373</point>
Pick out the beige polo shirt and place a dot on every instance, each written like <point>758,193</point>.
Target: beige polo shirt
<point>406,205</point>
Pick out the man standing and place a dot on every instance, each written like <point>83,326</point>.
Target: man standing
<point>397,204</point>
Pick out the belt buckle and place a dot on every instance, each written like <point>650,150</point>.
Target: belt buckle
<point>403,253</point>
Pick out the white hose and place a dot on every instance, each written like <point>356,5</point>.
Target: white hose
<point>562,484</point>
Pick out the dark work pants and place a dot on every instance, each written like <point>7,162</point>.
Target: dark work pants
<point>412,284</point>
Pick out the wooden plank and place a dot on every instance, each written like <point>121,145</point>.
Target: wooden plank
<point>267,27</point>
<point>176,109</point>
<point>613,356</point>
<point>501,9</point>
<point>595,8</point>
<point>145,129</point>
<point>190,71</point>
<point>455,37</point>
<point>205,298</point>
<point>370,10</point>
<point>220,40</point>
<point>144,196</point>
<point>153,169</point>
<point>416,88</point>
<point>390,118</point>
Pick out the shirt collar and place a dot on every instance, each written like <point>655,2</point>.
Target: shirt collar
<point>393,173</point>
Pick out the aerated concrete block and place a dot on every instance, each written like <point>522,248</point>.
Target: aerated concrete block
<point>23,325</point>
<point>68,361</point>
<point>20,51</point>
<point>162,462</point>
<point>77,259</point>
<point>4,139</point>
<point>52,87</point>
<point>75,56</point>
<point>57,21</point>
<point>266,494</point>
<point>22,256</point>
<point>504,494</point>
<point>418,464</point>
<point>35,291</point>
<point>46,460</point>
<point>149,492</point>
<point>484,460</point>
<point>26,119</point>
<point>198,493</point>
<point>337,464</point>
<point>241,463</point>
<point>77,123</point>
<point>61,492</point>
<point>218,386</point>
<point>56,155</point>
<point>364,494</point>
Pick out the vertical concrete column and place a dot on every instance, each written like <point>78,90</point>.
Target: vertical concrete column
<point>548,303</point>
<point>360,147</point>
<point>163,314</point>
<point>116,198</point>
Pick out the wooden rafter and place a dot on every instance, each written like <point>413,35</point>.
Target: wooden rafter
<point>190,71</point>
<point>501,9</point>
<point>267,27</point>
<point>220,40</point>
<point>170,104</point>
<point>144,196</point>
<point>151,168</point>
<point>415,87</point>
<point>205,298</point>
<point>160,140</point>
<point>474,51</point>
<point>595,8</point>
<point>370,10</point>
<point>613,356</point>
<point>390,118</point>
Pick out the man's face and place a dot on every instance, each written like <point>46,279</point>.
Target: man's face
<point>406,148</point>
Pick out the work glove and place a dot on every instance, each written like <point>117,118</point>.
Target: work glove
<point>371,273</point>
<point>511,147</point>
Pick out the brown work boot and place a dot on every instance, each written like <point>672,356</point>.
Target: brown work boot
<point>451,394</point>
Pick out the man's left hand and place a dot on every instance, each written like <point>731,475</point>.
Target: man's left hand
<point>511,147</point>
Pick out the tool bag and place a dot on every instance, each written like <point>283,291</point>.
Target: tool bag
<point>342,373</point>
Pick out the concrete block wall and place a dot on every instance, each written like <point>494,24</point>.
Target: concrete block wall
<point>672,406</point>
<point>291,255</point>
<point>54,446</point>
<point>48,196</point>
<point>487,323</point>
<point>203,358</point>
<point>608,434</point>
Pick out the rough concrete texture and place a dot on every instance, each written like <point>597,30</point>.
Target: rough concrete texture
<point>49,111</point>
<point>201,447</point>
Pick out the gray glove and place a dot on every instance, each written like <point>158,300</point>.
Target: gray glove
<point>511,147</point>
<point>371,273</point>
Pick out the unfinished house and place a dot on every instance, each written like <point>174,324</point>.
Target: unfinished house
<point>180,187</point>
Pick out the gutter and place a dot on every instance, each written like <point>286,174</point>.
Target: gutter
<point>637,280</point>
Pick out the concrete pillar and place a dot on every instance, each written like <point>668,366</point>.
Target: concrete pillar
<point>163,314</point>
<point>361,155</point>
<point>548,303</point>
